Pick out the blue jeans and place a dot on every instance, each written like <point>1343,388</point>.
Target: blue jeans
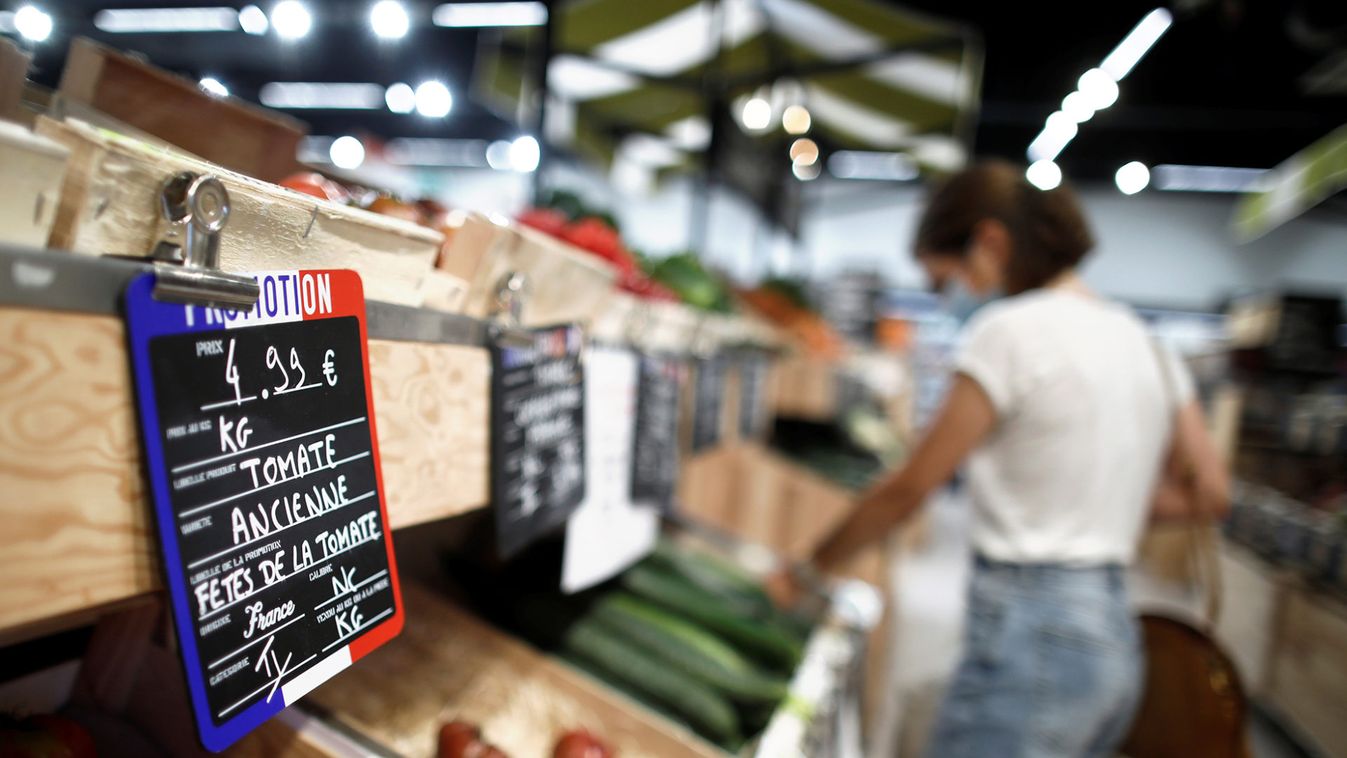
<point>1052,665</point>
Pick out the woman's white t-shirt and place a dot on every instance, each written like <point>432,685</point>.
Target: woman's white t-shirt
<point>1084,418</point>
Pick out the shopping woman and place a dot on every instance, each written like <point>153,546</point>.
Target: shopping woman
<point>1074,430</point>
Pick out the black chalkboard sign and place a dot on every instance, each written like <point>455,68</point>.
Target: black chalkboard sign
<point>708,399</point>
<point>262,457</point>
<point>654,469</point>
<point>754,415</point>
<point>537,435</point>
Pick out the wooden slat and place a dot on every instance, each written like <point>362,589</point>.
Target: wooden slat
<point>109,207</point>
<point>448,665</point>
<point>79,533</point>
<point>563,284</point>
<point>227,131</point>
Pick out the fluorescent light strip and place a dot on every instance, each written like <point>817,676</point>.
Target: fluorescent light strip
<point>858,164</point>
<point>333,95</point>
<point>1137,43</point>
<point>489,14</point>
<point>429,151</point>
<point>158,20</point>
<point>1180,178</point>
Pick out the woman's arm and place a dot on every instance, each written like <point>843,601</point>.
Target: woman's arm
<point>965,419</point>
<point>1194,483</point>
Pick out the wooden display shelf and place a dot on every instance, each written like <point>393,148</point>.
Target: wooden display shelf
<point>448,665</point>
<point>80,532</point>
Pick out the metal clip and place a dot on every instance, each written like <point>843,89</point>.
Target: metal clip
<point>193,209</point>
<point>508,310</point>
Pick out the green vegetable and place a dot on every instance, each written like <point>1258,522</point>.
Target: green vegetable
<point>761,640</point>
<point>616,659</point>
<point>687,646</point>
<point>684,274</point>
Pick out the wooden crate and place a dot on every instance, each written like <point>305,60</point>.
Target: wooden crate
<point>563,284</point>
<point>80,532</point>
<point>109,206</point>
<point>448,665</point>
<point>226,131</point>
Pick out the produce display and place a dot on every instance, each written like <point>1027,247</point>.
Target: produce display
<point>685,633</point>
<point>852,454</point>
<point>565,216</point>
<point>785,303</point>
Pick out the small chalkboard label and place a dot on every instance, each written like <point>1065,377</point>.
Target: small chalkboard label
<point>263,462</point>
<point>754,414</point>
<point>708,400</point>
<point>537,435</point>
<point>654,470</point>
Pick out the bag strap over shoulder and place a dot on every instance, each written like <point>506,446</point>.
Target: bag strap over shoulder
<point>1203,550</point>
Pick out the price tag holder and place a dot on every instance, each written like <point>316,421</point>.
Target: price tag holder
<point>537,433</point>
<point>263,461</point>
<point>708,398</point>
<point>654,464</point>
<point>609,531</point>
<point>754,416</point>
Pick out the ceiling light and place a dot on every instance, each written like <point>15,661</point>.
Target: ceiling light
<point>347,152</point>
<point>333,95</point>
<point>32,23</point>
<point>804,151</point>
<point>1136,44</point>
<point>490,14</point>
<point>433,100</point>
<point>1057,132</point>
<point>151,20</point>
<point>757,114</point>
<point>795,119</point>
<point>389,19</point>
<point>291,19</point>
<point>1077,107</point>
<point>1044,175</point>
<point>400,98</point>
<point>214,86</point>
<point>1179,178</point>
<point>859,164</point>
<point>1132,177</point>
<point>1099,89</point>
<point>252,20</point>
<point>525,154</point>
<point>498,155</point>
<point>806,172</point>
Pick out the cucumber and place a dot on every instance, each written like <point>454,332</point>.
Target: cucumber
<point>679,643</point>
<point>715,575</point>
<point>762,641</point>
<point>697,705</point>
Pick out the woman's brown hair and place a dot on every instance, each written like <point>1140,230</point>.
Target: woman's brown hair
<point>1048,231</point>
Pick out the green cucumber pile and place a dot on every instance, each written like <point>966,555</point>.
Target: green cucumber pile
<point>687,634</point>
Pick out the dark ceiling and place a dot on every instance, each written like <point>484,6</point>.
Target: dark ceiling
<point>1223,87</point>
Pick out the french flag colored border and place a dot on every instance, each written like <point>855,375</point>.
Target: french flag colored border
<point>286,296</point>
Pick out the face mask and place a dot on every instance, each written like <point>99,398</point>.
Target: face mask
<point>961,303</point>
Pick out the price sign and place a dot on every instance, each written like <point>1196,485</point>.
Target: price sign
<point>753,412</point>
<point>537,435</point>
<point>608,532</point>
<point>654,469</point>
<point>708,397</point>
<point>263,461</point>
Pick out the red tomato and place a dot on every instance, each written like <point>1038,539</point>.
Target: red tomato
<point>580,744</point>
<point>459,740</point>
<point>385,205</point>
<point>311,183</point>
<point>545,220</point>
